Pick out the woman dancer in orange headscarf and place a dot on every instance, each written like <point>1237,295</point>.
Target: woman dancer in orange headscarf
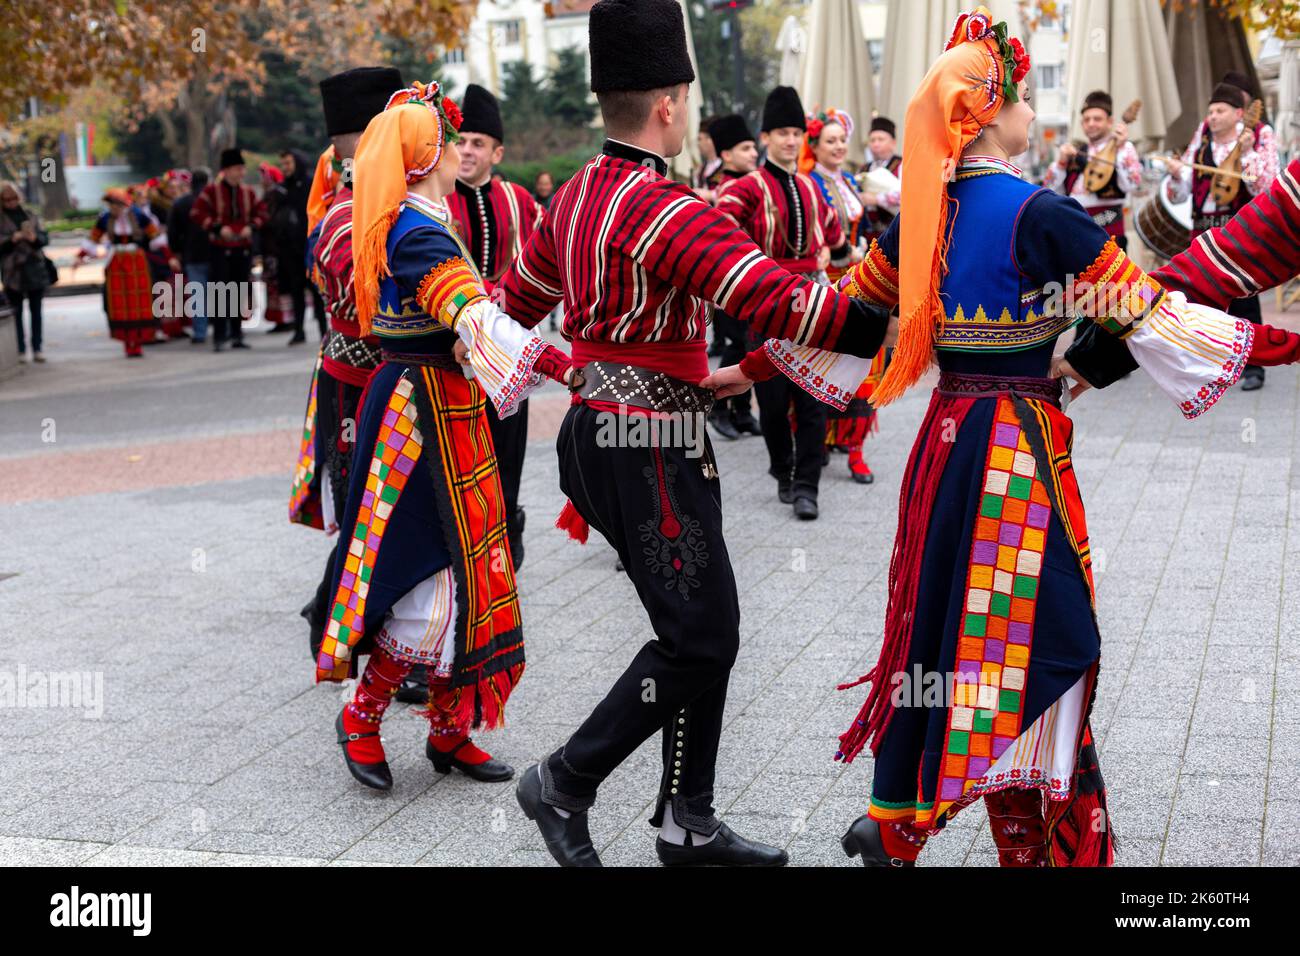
<point>427,577</point>
<point>986,676</point>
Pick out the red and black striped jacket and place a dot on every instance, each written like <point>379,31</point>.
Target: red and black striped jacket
<point>221,204</point>
<point>637,259</point>
<point>495,221</point>
<point>786,216</point>
<point>1256,249</point>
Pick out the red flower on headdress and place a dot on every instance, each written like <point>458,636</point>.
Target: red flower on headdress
<point>815,127</point>
<point>452,112</point>
<point>1021,67</point>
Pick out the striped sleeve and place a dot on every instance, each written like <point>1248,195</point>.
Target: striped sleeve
<point>739,198</point>
<point>684,241</point>
<point>1255,250</point>
<point>530,288</point>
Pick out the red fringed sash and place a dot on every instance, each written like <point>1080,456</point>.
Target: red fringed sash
<point>929,458</point>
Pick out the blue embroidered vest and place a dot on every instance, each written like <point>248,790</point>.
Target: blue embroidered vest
<point>402,325</point>
<point>989,305</point>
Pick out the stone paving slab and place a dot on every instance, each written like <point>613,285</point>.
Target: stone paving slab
<point>201,739</point>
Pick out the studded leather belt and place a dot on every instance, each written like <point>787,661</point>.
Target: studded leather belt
<point>619,384</point>
<point>444,361</point>
<point>980,386</point>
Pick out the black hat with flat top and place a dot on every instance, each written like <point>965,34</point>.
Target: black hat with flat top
<point>638,45</point>
<point>728,132</point>
<point>482,113</point>
<point>353,98</point>
<point>783,109</point>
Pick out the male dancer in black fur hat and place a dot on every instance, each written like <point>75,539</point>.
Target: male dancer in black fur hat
<point>495,220</point>
<point>783,211</point>
<point>636,260</point>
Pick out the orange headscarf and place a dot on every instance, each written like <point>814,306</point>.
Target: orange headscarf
<point>962,93</point>
<point>402,145</point>
<point>323,183</point>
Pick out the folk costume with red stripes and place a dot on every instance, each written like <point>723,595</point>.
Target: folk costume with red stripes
<point>1259,162</point>
<point>225,209</point>
<point>1255,250</point>
<point>128,284</point>
<point>423,574</point>
<point>989,664</point>
<point>495,221</point>
<point>785,214</point>
<point>347,356</point>
<point>636,259</point>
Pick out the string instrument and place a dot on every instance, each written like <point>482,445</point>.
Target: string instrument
<point>1239,175</point>
<point>1100,167</point>
<point>1227,180</point>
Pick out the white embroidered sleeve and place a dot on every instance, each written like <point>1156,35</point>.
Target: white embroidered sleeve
<point>830,377</point>
<point>1194,353</point>
<point>502,354</point>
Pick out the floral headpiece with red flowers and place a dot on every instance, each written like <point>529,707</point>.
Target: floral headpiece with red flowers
<point>817,121</point>
<point>432,97</point>
<point>978,26</point>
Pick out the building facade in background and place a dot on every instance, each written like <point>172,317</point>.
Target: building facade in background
<point>508,31</point>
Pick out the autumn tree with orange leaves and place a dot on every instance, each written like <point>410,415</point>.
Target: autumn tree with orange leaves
<point>180,61</point>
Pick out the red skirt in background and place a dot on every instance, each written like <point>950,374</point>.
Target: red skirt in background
<point>128,299</point>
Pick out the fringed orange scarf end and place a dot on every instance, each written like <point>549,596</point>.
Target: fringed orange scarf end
<point>370,258</point>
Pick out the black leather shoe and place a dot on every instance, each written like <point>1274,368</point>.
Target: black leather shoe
<point>240,344</point>
<point>298,339</point>
<point>728,848</point>
<point>785,491</point>
<point>805,508</point>
<point>568,839</point>
<point>414,688</point>
<point>1252,379</point>
<point>489,771</point>
<point>721,423</point>
<point>863,839</point>
<point>376,776</point>
<point>746,423</point>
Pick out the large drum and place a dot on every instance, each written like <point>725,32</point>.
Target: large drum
<point>1164,227</point>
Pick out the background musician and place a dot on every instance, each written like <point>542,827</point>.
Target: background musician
<point>1066,175</point>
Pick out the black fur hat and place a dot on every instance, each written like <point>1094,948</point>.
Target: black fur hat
<point>481,113</point>
<point>783,108</point>
<point>885,125</point>
<point>728,132</point>
<point>1234,96</point>
<point>231,157</point>
<point>638,45</point>
<point>353,98</point>
<point>1099,100</point>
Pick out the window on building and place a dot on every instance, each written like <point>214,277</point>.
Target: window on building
<point>454,56</point>
<point>508,32</point>
<point>1049,76</point>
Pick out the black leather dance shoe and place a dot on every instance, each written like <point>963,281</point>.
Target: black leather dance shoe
<point>568,840</point>
<point>489,771</point>
<point>728,848</point>
<point>805,508</point>
<point>376,776</point>
<point>785,490</point>
<point>414,688</point>
<point>863,839</point>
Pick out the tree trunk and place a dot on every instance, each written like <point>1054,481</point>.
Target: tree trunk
<point>55,203</point>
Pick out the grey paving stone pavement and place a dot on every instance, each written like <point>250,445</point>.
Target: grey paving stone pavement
<point>210,744</point>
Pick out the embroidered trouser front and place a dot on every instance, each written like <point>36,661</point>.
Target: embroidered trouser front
<point>663,515</point>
